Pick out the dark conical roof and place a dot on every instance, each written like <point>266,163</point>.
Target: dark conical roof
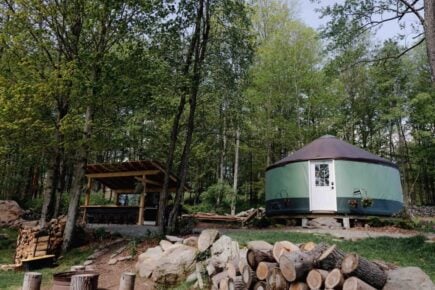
<point>330,147</point>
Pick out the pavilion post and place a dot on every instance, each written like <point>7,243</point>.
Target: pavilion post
<point>87,197</point>
<point>142,201</point>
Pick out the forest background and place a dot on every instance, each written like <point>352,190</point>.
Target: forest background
<point>217,90</point>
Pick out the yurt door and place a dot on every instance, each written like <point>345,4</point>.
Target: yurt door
<point>323,195</point>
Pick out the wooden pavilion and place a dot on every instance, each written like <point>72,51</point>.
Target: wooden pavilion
<point>144,178</point>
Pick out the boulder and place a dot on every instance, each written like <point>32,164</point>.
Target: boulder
<point>224,250</point>
<point>10,213</point>
<point>174,265</point>
<point>408,278</point>
<point>324,222</point>
<point>147,261</point>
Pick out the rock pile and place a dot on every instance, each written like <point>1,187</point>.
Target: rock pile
<point>10,213</point>
<point>214,261</point>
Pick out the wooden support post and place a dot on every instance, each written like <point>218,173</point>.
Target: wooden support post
<point>346,223</point>
<point>32,281</point>
<point>87,197</point>
<point>127,281</point>
<point>84,282</point>
<point>142,201</point>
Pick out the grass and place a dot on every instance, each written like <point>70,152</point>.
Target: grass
<point>400,251</point>
<point>13,280</point>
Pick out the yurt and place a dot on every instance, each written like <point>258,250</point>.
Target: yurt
<point>332,176</point>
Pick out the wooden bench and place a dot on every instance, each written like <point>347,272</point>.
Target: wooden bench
<point>39,262</point>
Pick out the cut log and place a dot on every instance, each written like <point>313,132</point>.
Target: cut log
<point>283,247</point>
<point>354,265</point>
<point>232,268</point>
<point>32,281</point>
<point>259,245</point>
<point>127,281</point>
<point>276,281</point>
<point>334,280</point>
<point>191,242</point>
<point>298,286</point>
<point>296,265</point>
<point>223,284</point>
<point>308,246</point>
<point>207,238</point>
<point>353,283</point>
<point>84,282</point>
<point>316,278</point>
<point>248,276</point>
<point>264,268</point>
<point>259,251</point>
<point>330,259</point>
<point>260,285</point>
<point>236,283</point>
<point>216,279</point>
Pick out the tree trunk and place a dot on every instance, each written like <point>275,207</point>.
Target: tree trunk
<point>429,23</point>
<point>84,282</point>
<point>200,50</point>
<point>354,265</point>
<point>77,186</point>
<point>50,185</point>
<point>236,172</point>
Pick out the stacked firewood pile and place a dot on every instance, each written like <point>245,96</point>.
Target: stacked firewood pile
<point>216,261</point>
<point>285,265</point>
<point>33,241</point>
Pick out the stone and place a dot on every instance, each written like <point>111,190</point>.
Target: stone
<point>174,239</point>
<point>173,267</point>
<point>165,244</point>
<point>324,222</point>
<point>191,242</point>
<point>112,261</point>
<point>10,213</point>
<point>129,257</point>
<point>118,251</point>
<point>408,278</point>
<point>88,262</point>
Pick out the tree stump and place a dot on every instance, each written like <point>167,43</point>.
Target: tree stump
<point>248,276</point>
<point>316,278</point>
<point>296,265</point>
<point>32,281</point>
<point>276,281</point>
<point>259,251</point>
<point>264,268</point>
<point>236,283</point>
<point>260,285</point>
<point>334,280</point>
<point>354,265</point>
<point>84,282</point>
<point>127,281</point>
<point>298,286</point>
<point>330,259</point>
<point>353,283</point>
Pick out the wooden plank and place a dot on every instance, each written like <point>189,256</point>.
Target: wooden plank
<point>38,258</point>
<point>122,173</point>
<point>43,239</point>
<point>42,246</point>
<point>40,253</point>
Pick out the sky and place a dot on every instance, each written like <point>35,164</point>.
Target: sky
<point>306,12</point>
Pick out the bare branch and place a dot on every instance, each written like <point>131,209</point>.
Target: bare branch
<point>414,10</point>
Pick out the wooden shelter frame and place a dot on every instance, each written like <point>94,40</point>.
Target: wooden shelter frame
<point>122,178</point>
